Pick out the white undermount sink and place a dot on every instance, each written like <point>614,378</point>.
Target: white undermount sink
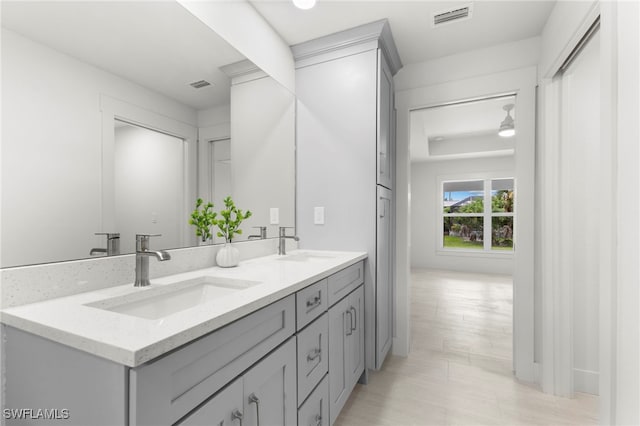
<point>305,257</point>
<point>161,301</point>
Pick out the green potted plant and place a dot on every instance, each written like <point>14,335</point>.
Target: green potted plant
<point>203,218</point>
<point>228,225</point>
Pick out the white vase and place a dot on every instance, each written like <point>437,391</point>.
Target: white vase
<point>228,256</point>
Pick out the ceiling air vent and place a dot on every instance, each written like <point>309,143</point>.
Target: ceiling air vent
<point>200,84</point>
<point>451,15</point>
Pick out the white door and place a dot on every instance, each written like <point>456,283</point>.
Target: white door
<point>579,201</point>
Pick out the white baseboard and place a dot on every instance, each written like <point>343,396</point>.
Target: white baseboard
<point>586,381</point>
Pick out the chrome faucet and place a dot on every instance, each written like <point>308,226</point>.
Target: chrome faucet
<point>282,250</point>
<point>113,244</point>
<point>262,235</point>
<point>142,258</point>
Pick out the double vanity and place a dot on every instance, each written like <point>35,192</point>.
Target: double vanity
<point>278,340</point>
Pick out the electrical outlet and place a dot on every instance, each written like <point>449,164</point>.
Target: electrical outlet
<point>274,215</point>
<point>318,215</point>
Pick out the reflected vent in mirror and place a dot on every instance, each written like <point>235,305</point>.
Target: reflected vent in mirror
<point>456,14</point>
<point>200,84</point>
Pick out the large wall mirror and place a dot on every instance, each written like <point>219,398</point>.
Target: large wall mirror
<point>116,116</point>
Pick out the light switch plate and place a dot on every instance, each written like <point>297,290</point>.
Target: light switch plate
<point>318,215</point>
<point>274,215</point>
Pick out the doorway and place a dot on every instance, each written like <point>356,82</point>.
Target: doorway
<point>521,84</point>
<point>463,198</point>
<point>149,174</point>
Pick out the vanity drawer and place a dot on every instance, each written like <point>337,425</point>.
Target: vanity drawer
<point>164,390</point>
<point>313,355</point>
<point>342,283</point>
<point>219,410</point>
<point>315,410</point>
<point>311,302</point>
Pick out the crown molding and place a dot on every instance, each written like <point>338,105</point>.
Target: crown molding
<point>243,71</point>
<point>364,37</point>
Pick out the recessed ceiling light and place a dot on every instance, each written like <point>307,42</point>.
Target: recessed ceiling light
<point>304,4</point>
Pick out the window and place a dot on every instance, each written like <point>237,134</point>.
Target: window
<point>478,215</point>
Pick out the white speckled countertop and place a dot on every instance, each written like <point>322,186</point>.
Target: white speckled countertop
<point>132,341</point>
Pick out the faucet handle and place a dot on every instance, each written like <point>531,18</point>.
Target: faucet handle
<point>142,241</point>
<point>263,231</point>
<point>110,235</point>
<point>146,236</point>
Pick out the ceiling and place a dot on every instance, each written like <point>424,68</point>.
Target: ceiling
<point>491,23</point>
<point>156,44</point>
<point>172,48</point>
<point>461,130</point>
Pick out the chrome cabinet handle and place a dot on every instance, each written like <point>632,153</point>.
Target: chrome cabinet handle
<point>355,317</point>
<point>314,354</point>
<point>253,399</point>
<point>350,331</point>
<point>314,301</point>
<point>237,415</point>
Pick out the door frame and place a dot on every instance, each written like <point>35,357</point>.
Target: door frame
<point>521,82</point>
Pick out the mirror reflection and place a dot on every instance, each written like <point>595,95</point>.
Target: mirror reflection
<point>110,127</point>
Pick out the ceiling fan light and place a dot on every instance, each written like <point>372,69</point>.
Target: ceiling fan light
<point>304,4</point>
<point>506,132</point>
<point>507,128</point>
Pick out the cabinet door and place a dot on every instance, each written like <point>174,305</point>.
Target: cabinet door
<point>315,410</point>
<point>340,329</point>
<point>313,356</point>
<point>270,389</point>
<point>224,409</point>
<point>384,276</point>
<point>355,340</point>
<point>385,122</point>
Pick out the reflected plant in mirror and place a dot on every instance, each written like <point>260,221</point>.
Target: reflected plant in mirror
<point>203,220</point>
<point>231,218</point>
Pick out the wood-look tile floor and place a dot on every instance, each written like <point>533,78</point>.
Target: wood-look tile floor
<point>459,370</point>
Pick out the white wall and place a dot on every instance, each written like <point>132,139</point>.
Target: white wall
<point>263,153</point>
<point>425,226</point>
<point>502,57</point>
<point>625,27</point>
<point>52,152</point>
<point>214,117</point>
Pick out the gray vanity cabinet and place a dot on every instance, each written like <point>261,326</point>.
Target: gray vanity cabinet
<point>261,396</point>
<point>346,349</point>
<point>168,388</point>
<point>254,371</point>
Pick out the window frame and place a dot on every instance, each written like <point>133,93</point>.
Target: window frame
<point>487,215</point>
